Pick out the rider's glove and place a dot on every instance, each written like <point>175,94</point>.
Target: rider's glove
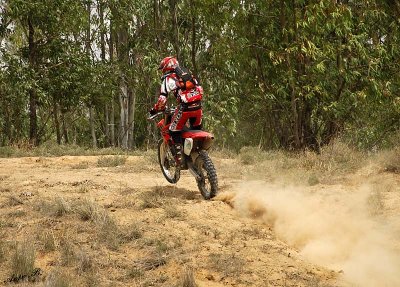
<point>153,111</point>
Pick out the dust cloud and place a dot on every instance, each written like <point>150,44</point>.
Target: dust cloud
<point>331,227</point>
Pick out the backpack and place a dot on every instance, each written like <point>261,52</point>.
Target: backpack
<point>186,79</point>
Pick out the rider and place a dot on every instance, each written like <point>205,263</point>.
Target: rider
<point>189,102</point>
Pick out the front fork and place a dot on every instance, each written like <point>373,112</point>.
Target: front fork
<point>192,168</point>
<point>191,153</point>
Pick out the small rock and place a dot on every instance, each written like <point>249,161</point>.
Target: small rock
<point>210,277</point>
<point>27,194</point>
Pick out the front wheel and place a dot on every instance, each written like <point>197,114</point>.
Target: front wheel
<point>208,182</point>
<point>167,162</point>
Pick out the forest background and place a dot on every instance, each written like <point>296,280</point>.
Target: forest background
<point>277,74</point>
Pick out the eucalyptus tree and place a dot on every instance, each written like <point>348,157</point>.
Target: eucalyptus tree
<point>40,32</point>
<point>313,68</point>
<point>278,74</point>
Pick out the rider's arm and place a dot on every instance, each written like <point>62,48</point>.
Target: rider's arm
<point>169,84</point>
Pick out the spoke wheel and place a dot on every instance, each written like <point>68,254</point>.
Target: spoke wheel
<point>167,162</point>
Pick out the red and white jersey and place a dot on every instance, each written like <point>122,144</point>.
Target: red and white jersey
<point>192,95</point>
<point>170,83</point>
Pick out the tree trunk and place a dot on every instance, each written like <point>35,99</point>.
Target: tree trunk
<point>102,33</point>
<point>132,107</point>
<point>112,122</point>
<point>193,51</point>
<point>56,121</point>
<point>33,129</point>
<point>6,135</point>
<point>123,61</point>
<point>123,101</point>
<point>92,127</point>
<point>88,53</point>
<point>100,5</point>
<point>112,112</point>
<point>64,128</point>
<point>175,28</point>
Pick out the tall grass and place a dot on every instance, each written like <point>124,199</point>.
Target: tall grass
<point>51,148</point>
<point>306,167</point>
<point>111,161</point>
<point>22,261</point>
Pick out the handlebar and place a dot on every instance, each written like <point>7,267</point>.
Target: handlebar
<point>167,111</point>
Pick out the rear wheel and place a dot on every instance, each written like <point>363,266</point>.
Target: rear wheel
<point>167,162</point>
<point>208,182</point>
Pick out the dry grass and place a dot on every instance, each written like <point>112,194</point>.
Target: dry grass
<point>229,264</point>
<point>22,262</point>
<point>308,168</point>
<point>162,225</point>
<point>390,160</point>
<point>56,206</point>
<point>251,155</point>
<point>107,229</point>
<point>171,210</point>
<point>150,262</point>
<point>12,200</point>
<point>81,165</point>
<point>336,157</point>
<point>16,213</point>
<point>154,198</point>
<point>87,210</point>
<point>157,245</point>
<point>48,241</point>
<point>132,232</point>
<point>84,261</point>
<point>67,251</point>
<point>3,250</point>
<point>7,223</point>
<point>187,278</point>
<point>58,278</point>
<point>111,161</point>
<point>135,273</point>
<point>61,207</point>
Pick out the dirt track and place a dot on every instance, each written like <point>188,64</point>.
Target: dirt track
<point>255,233</point>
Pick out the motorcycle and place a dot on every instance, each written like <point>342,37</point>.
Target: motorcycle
<point>194,157</point>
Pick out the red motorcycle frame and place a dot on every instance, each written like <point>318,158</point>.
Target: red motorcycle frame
<point>194,158</point>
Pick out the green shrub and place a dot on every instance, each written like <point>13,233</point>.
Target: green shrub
<point>6,151</point>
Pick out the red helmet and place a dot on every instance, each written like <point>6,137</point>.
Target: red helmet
<point>168,64</point>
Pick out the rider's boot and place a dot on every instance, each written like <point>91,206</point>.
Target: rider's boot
<point>177,146</point>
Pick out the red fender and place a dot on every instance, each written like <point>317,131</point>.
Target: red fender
<point>195,134</point>
<point>199,135</point>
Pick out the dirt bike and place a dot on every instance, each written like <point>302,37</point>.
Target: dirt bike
<point>194,157</point>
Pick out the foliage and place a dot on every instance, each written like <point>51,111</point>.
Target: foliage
<point>276,74</point>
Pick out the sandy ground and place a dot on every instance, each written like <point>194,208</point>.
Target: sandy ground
<point>255,233</point>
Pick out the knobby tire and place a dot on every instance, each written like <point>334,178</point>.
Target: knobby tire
<point>208,184</point>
